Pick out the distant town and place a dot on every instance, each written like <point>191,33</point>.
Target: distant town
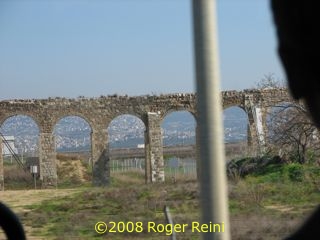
<point>126,131</point>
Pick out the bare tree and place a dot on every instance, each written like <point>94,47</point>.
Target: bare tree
<point>292,133</point>
<point>269,81</point>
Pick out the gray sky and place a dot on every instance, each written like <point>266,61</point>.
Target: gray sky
<point>92,48</point>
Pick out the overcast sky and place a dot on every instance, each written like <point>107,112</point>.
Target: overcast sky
<point>99,47</point>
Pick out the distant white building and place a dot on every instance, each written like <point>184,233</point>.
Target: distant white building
<point>5,149</point>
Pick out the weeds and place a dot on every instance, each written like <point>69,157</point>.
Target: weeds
<point>267,204</point>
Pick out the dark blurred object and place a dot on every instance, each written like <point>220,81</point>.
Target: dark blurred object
<point>297,25</point>
<point>10,224</point>
<point>310,229</point>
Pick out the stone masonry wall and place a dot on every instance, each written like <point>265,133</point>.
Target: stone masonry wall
<point>147,166</point>
<point>98,112</point>
<point>47,158</point>
<point>100,157</point>
<point>155,148</point>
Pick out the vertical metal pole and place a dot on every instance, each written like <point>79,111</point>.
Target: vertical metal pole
<point>209,106</point>
<point>169,221</point>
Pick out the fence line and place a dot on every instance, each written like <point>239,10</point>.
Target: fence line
<point>174,167</point>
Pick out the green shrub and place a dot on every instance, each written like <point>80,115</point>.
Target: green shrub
<point>295,172</point>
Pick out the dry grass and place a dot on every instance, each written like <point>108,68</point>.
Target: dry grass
<point>258,211</point>
<point>16,177</point>
<point>19,200</point>
<point>76,209</point>
<point>262,226</point>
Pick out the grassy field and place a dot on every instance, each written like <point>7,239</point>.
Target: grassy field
<point>267,205</point>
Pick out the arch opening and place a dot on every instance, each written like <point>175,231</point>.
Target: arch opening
<point>236,127</point>
<point>126,136</point>
<point>21,149</point>
<point>276,114</point>
<point>179,145</point>
<point>72,136</point>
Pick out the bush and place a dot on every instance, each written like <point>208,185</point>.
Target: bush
<point>295,172</point>
<point>253,165</point>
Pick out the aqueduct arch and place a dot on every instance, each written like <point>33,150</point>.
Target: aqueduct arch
<point>151,109</point>
<point>13,122</point>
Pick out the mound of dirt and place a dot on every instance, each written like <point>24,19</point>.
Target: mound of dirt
<point>72,171</point>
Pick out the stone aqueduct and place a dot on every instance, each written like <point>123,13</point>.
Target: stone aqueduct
<point>151,109</point>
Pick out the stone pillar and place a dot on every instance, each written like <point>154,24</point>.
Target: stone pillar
<point>47,159</point>
<point>154,149</point>
<point>256,135</point>
<point>249,137</point>
<point>257,125</point>
<point>100,157</point>
<point>1,167</point>
<point>147,160</point>
<point>253,142</point>
<point>258,115</point>
<point>264,124</point>
<point>251,129</point>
